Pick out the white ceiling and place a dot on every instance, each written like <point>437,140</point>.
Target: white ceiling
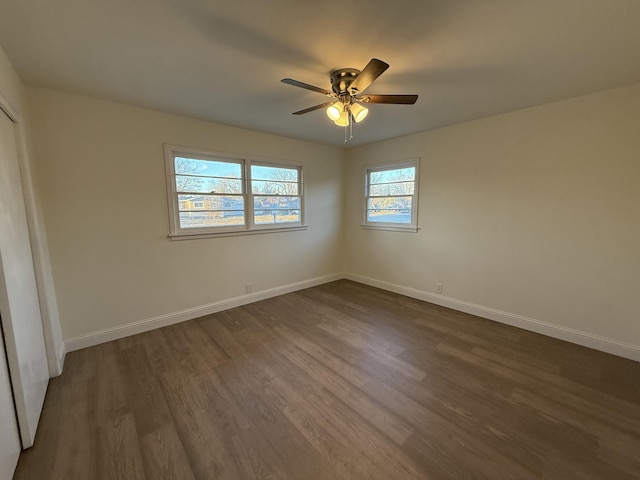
<point>223,60</point>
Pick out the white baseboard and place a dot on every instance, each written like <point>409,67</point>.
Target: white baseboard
<point>140,326</point>
<point>585,339</point>
<point>578,337</point>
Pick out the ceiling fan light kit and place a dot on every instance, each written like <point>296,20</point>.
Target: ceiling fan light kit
<point>340,113</point>
<point>347,86</point>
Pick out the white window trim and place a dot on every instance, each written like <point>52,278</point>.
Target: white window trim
<point>177,233</point>
<point>392,227</point>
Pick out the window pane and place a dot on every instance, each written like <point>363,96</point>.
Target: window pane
<point>394,188</point>
<point>210,202</point>
<point>207,168</point>
<point>264,217</point>
<point>269,187</point>
<point>210,210</point>
<point>385,203</point>
<point>188,183</point>
<point>389,209</point>
<point>395,175</point>
<point>260,172</point>
<point>270,203</point>
<point>389,216</point>
<point>276,210</point>
<point>211,219</point>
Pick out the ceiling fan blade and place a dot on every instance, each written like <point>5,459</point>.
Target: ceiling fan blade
<point>296,83</point>
<point>311,109</point>
<point>373,70</point>
<point>393,99</point>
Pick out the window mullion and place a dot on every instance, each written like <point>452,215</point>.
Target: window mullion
<point>248,195</point>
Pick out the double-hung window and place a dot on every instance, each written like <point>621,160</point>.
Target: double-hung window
<point>391,196</point>
<point>212,194</point>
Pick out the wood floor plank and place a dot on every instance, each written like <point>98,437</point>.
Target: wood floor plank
<point>352,453</point>
<point>389,460</point>
<point>118,453</point>
<point>78,433</point>
<point>360,338</point>
<point>393,326</point>
<point>213,390</point>
<point>386,421</point>
<point>146,398</point>
<point>293,306</point>
<point>119,456</point>
<point>247,383</point>
<point>111,392</point>
<point>164,456</point>
<point>622,441</point>
<point>324,356</point>
<point>459,421</point>
<point>355,323</point>
<point>368,362</point>
<point>339,381</point>
<point>626,416</point>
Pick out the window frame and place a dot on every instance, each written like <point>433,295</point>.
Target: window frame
<point>392,226</point>
<point>176,232</point>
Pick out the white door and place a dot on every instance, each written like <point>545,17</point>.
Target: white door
<point>21,320</point>
<point>9,439</point>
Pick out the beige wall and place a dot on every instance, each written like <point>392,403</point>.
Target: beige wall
<point>106,214</point>
<point>534,213</point>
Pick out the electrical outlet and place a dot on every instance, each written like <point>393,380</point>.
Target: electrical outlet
<point>249,287</point>
<point>438,288</point>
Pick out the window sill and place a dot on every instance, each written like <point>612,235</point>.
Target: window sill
<point>392,228</point>
<point>257,231</point>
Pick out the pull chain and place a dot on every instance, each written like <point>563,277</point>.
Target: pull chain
<point>350,125</point>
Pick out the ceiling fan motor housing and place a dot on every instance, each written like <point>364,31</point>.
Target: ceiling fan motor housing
<point>341,80</point>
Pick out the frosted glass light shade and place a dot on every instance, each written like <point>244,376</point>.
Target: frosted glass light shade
<point>358,112</point>
<point>334,111</point>
<point>343,121</point>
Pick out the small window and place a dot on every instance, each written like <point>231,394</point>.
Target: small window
<point>391,196</point>
<point>212,194</point>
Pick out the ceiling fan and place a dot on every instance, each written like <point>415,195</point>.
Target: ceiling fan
<point>347,93</point>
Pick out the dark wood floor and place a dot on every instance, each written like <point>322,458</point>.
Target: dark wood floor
<point>336,382</point>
